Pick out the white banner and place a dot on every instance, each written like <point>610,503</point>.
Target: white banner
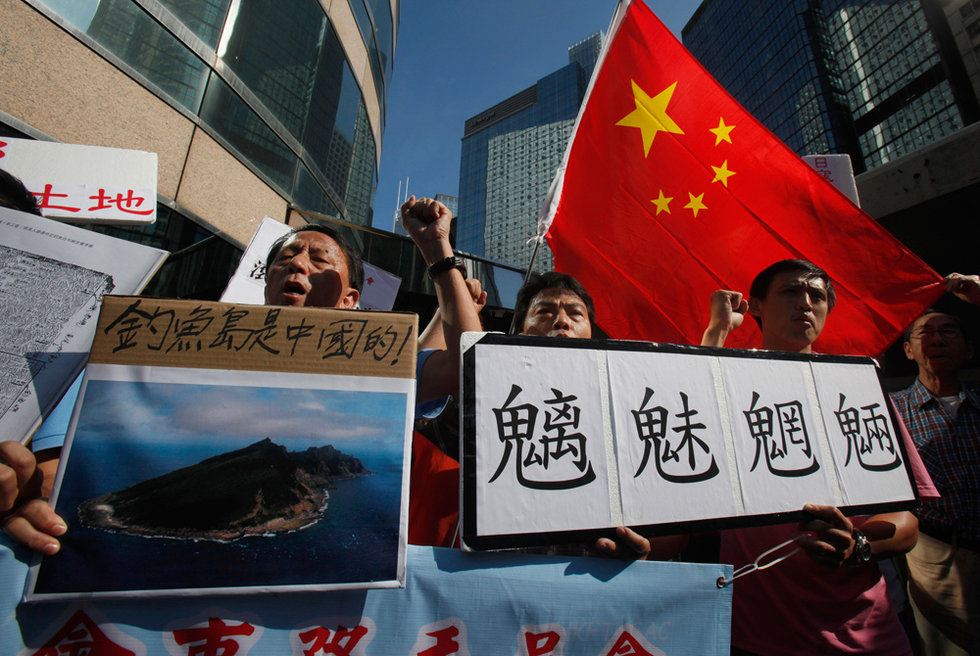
<point>564,439</point>
<point>85,184</point>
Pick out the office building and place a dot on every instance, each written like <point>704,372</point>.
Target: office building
<point>255,108</point>
<point>450,201</point>
<point>893,83</point>
<point>963,17</point>
<point>510,153</point>
<point>871,78</point>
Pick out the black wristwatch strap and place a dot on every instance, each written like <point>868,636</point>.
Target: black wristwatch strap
<point>445,265</point>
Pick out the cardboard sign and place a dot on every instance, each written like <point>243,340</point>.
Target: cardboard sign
<point>564,439</point>
<point>236,449</point>
<point>85,184</point>
<point>143,331</point>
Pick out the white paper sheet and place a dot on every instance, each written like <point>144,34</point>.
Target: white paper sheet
<point>552,466</point>
<point>671,449</point>
<point>52,279</point>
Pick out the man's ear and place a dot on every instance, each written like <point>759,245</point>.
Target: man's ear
<point>755,307</point>
<point>349,301</point>
<point>908,350</point>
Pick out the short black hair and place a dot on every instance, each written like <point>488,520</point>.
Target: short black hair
<point>907,333</point>
<point>810,271</point>
<point>14,194</point>
<point>537,283</point>
<point>355,267</point>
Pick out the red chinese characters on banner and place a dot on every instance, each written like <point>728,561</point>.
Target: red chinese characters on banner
<point>44,200</point>
<point>547,643</point>
<point>630,642</point>
<point>821,166</point>
<point>126,203</point>
<point>442,639</point>
<point>77,199</point>
<point>215,639</point>
<point>80,636</point>
<point>321,641</point>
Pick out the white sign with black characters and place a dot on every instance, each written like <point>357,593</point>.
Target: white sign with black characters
<point>564,439</point>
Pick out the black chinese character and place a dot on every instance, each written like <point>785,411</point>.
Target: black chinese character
<point>134,322</point>
<point>515,429</point>
<point>379,342</point>
<point>651,426</point>
<point>876,449</point>
<point>343,340</point>
<point>258,271</point>
<point>785,452</point>
<point>189,330</point>
<point>233,336</point>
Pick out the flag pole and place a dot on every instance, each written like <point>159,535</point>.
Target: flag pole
<point>527,274</point>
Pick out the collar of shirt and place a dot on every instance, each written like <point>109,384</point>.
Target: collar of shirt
<point>921,397</point>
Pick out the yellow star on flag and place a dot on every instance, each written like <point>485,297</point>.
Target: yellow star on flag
<point>662,203</point>
<point>695,205</point>
<point>722,132</point>
<point>650,115</point>
<point>722,173</point>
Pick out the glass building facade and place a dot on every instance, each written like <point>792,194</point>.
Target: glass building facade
<point>274,86</point>
<point>876,79</point>
<point>510,153</point>
<point>271,84</point>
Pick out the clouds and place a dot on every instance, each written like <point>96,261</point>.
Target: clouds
<point>199,413</point>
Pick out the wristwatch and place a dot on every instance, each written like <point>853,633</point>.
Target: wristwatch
<point>862,550</point>
<point>445,265</point>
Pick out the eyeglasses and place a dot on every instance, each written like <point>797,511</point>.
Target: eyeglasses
<point>946,332</point>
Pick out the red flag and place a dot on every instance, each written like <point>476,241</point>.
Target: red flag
<point>433,501</point>
<point>671,190</point>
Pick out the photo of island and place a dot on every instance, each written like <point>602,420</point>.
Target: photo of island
<point>259,490</point>
<point>176,488</point>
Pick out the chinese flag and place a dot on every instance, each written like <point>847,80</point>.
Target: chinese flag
<point>671,190</point>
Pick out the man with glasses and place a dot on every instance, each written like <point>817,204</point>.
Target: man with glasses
<point>943,417</point>
<point>831,598</point>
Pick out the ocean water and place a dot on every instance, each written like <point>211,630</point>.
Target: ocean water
<point>355,541</point>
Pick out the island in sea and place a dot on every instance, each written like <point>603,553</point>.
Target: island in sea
<point>259,490</point>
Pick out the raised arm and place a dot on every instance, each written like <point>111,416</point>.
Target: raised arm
<point>428,223</point>
<point>728,310</point>
<point>433,337</point>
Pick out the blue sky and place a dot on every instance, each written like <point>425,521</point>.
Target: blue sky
<point>234,417</point>
<point>456,58</point>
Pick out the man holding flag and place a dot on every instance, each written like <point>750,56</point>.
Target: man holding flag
<point>696,194</point>
<point>833,599</point>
